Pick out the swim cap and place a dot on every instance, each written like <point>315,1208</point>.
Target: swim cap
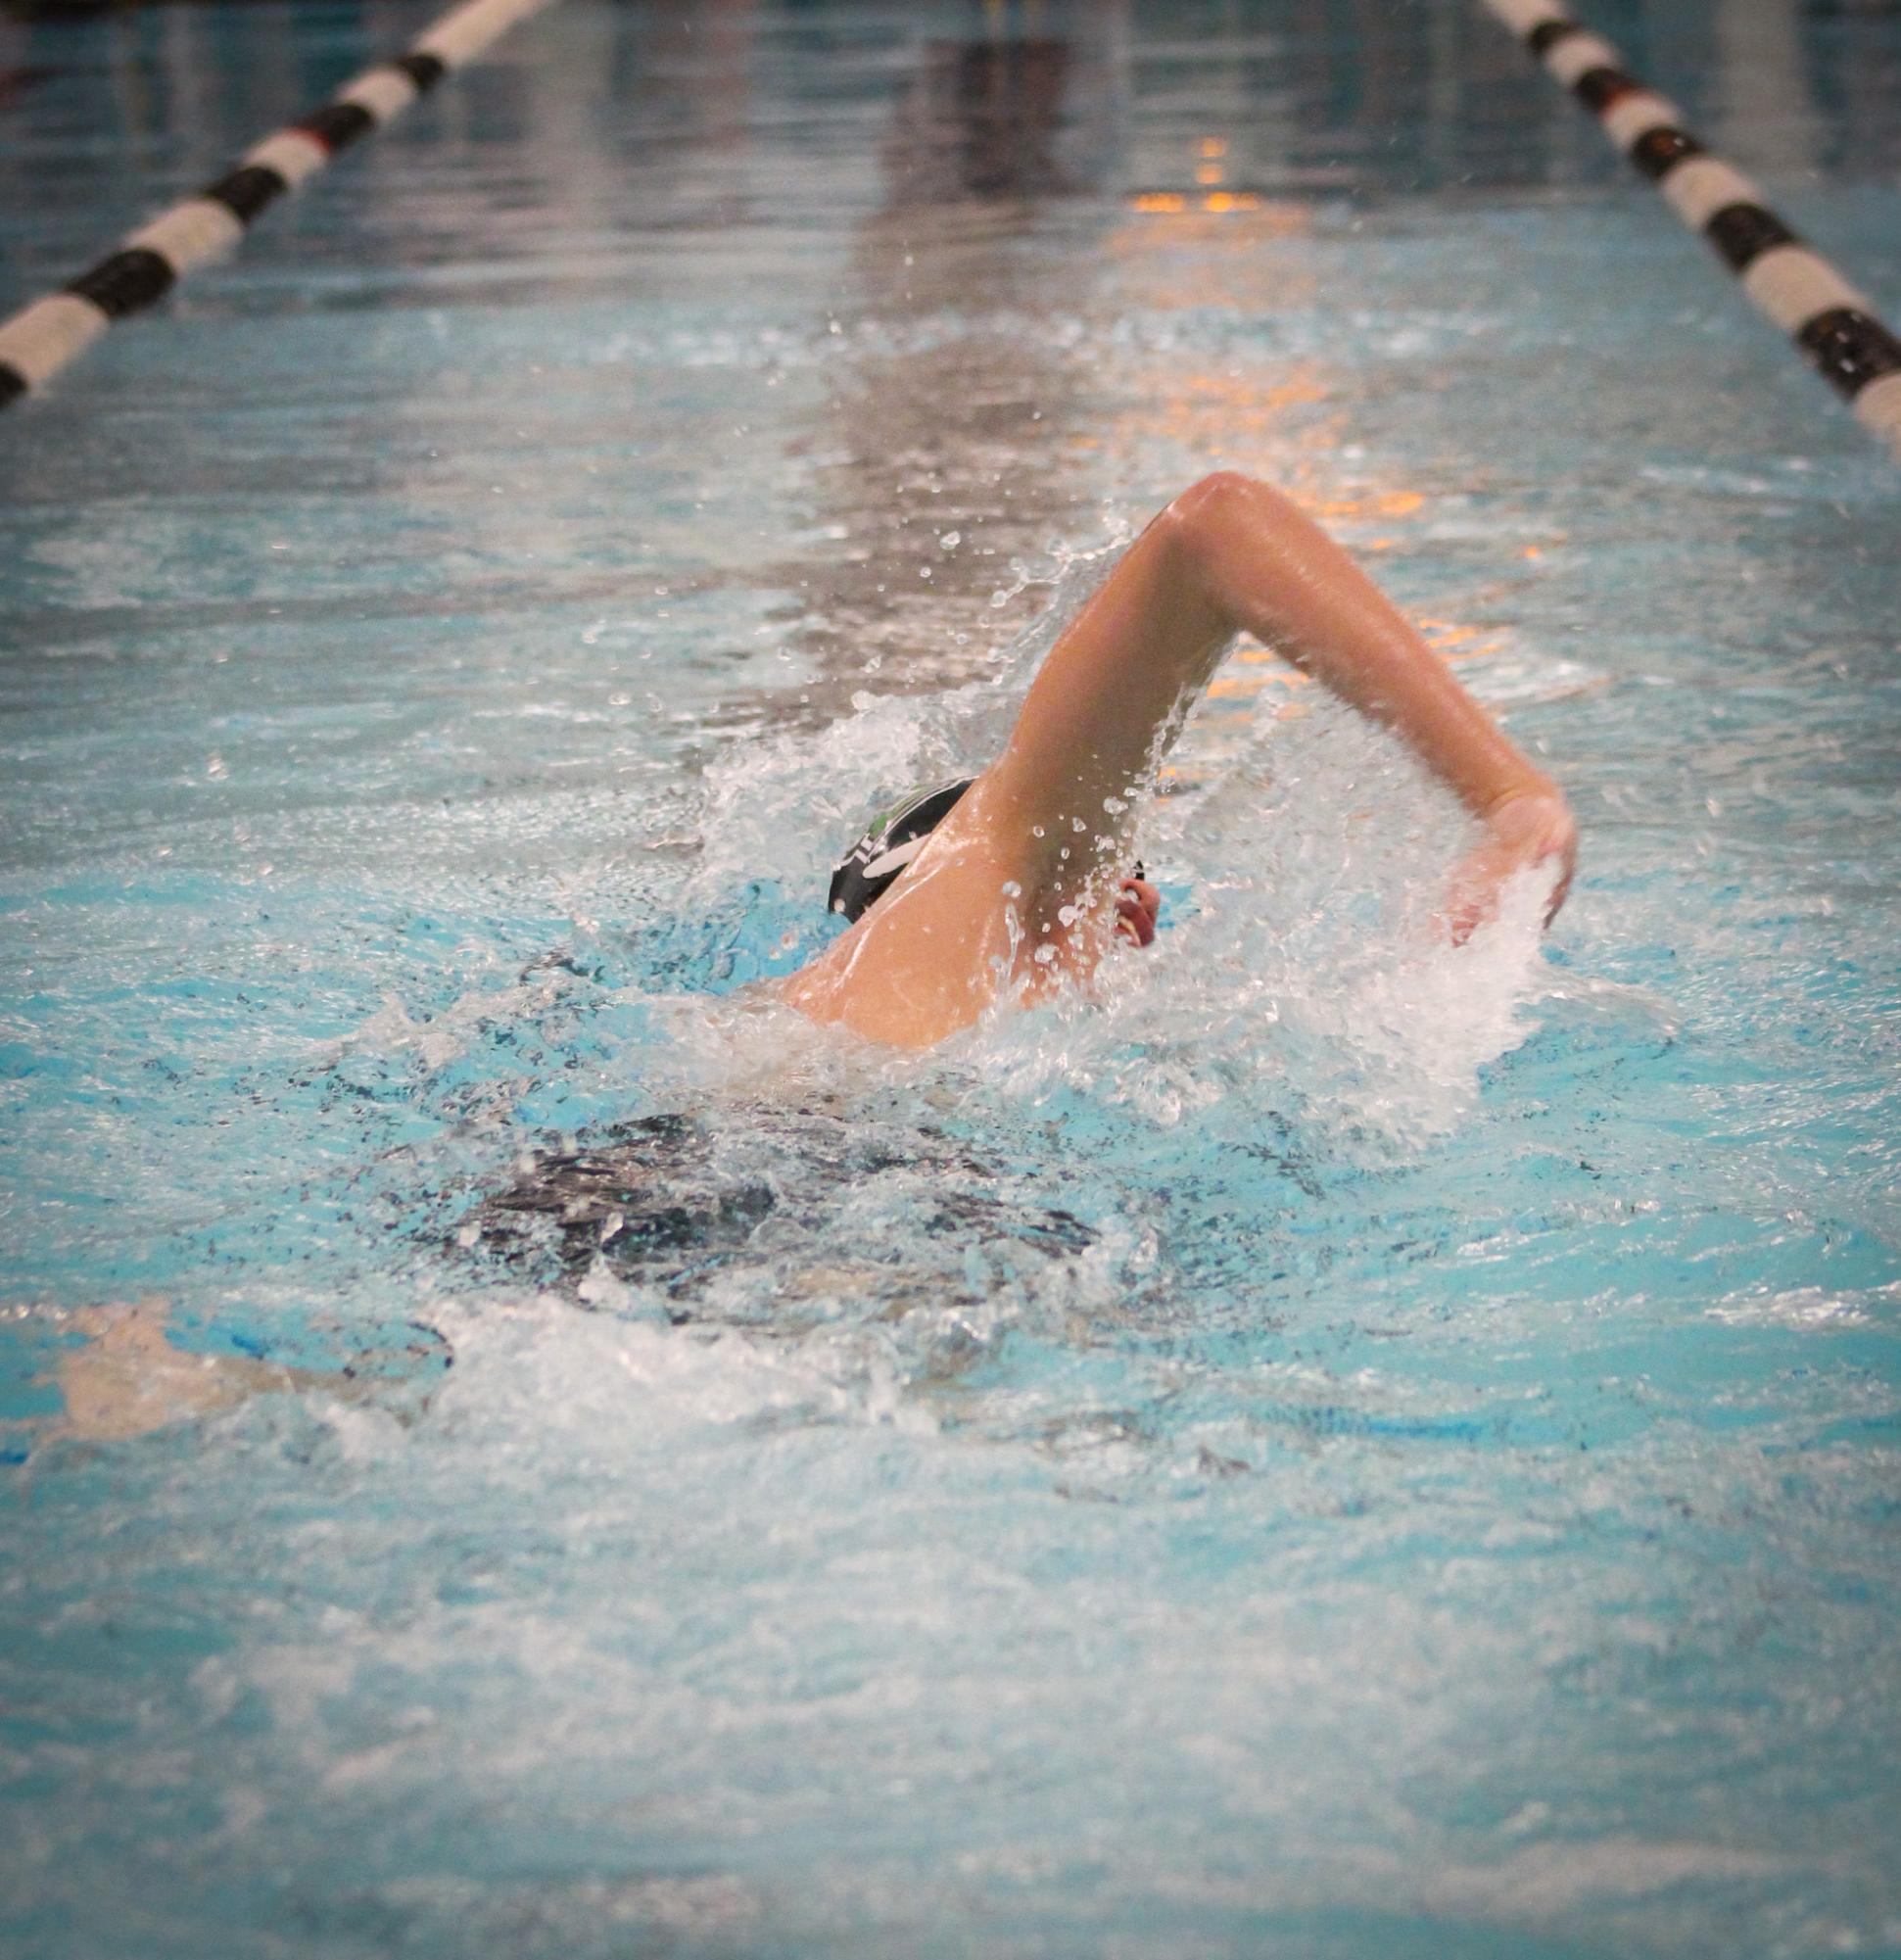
<point>896,836</point>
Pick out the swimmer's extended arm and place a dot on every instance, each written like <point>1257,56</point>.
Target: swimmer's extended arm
<point>1231,555</point>
<point>1050,815</point>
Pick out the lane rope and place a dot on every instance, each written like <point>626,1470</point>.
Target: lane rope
<point>43,335</point>
<point>1794,286</point>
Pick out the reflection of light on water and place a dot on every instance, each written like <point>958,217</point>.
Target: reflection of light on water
<point>1209,172</point>
<point>1250,417</point>
<point>1169,202</point>
<point>1234,418</point>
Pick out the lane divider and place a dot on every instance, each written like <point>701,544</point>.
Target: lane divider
<point>1832,323</point>
<point>41,338</point>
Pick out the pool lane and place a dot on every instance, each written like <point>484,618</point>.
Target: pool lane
<point>40,339</point>
<point>1129,1500</point>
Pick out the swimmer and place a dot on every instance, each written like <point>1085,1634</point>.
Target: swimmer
<point>1015,890</point>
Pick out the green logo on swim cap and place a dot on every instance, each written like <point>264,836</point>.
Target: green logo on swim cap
<point>891,812</point>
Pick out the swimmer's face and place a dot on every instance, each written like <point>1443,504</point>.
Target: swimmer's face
<point>1138,905</point>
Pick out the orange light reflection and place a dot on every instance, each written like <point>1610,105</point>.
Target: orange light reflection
<point>1164,203</point>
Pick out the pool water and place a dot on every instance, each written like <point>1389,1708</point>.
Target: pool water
<point>1337,1447</point>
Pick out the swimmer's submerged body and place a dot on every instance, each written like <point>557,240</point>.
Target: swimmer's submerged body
<point>1017,891</point>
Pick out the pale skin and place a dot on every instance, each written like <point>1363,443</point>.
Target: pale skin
<point>1014,892</point>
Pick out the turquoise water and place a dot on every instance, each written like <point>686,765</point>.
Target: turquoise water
<point>1339,1448</point>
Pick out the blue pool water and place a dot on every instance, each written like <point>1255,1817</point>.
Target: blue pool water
<point>1341,1450</point>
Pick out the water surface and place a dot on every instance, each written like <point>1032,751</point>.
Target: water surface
<point>1338,1448</point>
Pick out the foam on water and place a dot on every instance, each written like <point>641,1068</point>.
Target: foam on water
<point>850,1455</point>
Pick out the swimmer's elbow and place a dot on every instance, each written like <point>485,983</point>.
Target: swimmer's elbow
<point>1217,494</point>
<point>1226,508</point>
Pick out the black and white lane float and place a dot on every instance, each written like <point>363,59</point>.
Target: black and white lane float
<point>41,338</point>
<point>1832,323</point>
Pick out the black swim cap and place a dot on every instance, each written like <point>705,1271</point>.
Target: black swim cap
<point>865,872</point>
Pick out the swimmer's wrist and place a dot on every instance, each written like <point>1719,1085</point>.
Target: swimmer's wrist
<point>1527,790</point>
<point>1536,827</point>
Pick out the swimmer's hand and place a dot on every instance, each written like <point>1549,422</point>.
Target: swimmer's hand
<point>1137,907</point>
<point>1526,829</point>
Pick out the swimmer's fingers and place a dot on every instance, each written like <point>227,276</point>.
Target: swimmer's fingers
<point>1525,832</point>
<point>1137,908</point>
<point>1474,897</point>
